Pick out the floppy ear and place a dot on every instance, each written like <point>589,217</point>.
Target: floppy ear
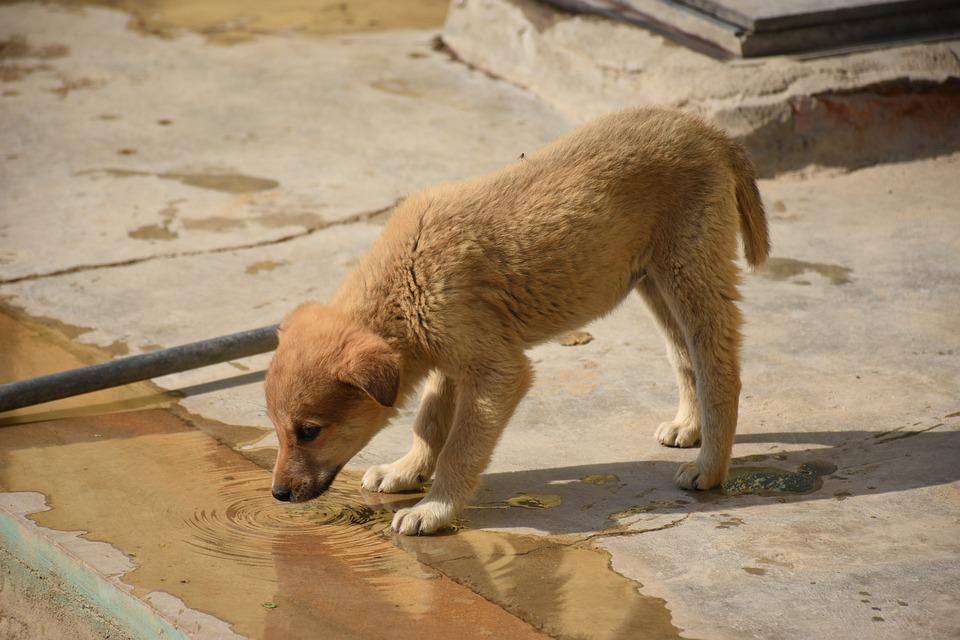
<point>375,368</point>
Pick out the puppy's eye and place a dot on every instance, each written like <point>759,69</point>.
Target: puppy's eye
<point>308,432</point>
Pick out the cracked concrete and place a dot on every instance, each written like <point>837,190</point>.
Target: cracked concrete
<point>356,120</point>
<point>850,356</point>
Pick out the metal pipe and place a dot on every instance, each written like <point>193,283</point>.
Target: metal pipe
<point>139,367</point>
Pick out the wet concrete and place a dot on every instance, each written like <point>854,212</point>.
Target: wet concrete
<point>33,346</point>
<point>196,520</point>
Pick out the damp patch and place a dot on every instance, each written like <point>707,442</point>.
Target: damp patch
<point>770,480</point>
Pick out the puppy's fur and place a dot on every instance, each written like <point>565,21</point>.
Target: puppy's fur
<point>467,276</point>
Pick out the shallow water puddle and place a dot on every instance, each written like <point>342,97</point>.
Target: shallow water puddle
<point>31,347</point>
<point>198,520</point>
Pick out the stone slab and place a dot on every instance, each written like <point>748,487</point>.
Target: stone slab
<point>750,30</point>
<point>766,15</point>
<point>120,146</point>
<point>847,110</point>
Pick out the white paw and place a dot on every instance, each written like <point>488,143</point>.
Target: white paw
<point>692,475</point>
<point>391,478</point>
<point>425,517</point>
<point>678,434</point>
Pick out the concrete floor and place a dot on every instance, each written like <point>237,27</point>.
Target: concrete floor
<point>172,175</point>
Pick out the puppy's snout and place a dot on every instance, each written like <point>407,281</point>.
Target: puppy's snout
<point>281,493</point>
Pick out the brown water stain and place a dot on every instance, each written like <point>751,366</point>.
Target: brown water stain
<point>226,182</point>
<point>278,219</point>
<point>227,22</point>
<point>33,346</point>
<point>17,46</point>
<point>153,232</point>
<point>785,268</point>
<point>17,72</point>
<point>264,265</point>
<point>68,85</point>
<point>213,223</point>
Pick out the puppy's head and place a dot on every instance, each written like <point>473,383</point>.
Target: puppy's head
<point>330,387</point>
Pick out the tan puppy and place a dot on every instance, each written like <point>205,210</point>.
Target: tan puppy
<point>467,276</point>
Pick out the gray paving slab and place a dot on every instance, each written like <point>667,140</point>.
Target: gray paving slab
<point>124,146</point>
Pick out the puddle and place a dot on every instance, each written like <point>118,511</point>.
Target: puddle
<point>769,480</point>
<point>565,591</point>
<point>33,346</point>
<point>786,268</point>
<point>154,488</point>
<point>226,182</point>
<point>199,523</point>
<point>234,21</point>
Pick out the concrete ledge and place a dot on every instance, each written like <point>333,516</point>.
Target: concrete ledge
<point>847,110</point>
<point>65,593</point>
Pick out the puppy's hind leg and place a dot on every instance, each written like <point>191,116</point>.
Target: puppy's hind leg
<point>429,433</point>
<point>684,429</point>
<point>701,291</point>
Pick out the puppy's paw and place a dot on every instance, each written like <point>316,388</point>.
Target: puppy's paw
<point>391,478</point>
<point>695,475</point>
<point>678,434</point>
<point>424,518</point>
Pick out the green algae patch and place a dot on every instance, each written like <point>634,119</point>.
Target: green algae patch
<point>771,480</point>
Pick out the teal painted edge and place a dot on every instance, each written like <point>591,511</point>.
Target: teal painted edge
<point>38,553</point>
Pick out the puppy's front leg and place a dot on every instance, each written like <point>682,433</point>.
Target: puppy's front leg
<point>484,405</point>
<point>429,433</point>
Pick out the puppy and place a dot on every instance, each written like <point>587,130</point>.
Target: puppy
<point>467,276</point>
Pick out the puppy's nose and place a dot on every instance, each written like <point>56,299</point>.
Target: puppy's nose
<point>281,493</point>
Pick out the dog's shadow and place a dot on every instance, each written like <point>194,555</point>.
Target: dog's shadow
<point>843,464</point>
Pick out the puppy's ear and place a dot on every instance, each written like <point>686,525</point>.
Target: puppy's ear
<point>374,367</point>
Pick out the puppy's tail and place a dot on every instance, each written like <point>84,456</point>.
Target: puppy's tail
<point>753,220</point>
